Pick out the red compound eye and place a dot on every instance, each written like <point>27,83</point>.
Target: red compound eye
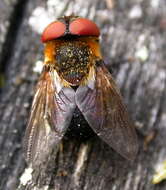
<point>84,27</point>
<point>53,31</point>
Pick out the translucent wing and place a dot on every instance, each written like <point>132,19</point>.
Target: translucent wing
<point>50,115</point>
<point>103,108</point>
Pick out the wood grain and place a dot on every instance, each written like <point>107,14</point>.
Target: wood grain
<point>132,41</point>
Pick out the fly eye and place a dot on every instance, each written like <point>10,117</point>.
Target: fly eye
<point>53,31</point>
<point>84,27</point>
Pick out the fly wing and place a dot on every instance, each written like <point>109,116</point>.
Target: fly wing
<point>103,108</point>
<point>50,115</point>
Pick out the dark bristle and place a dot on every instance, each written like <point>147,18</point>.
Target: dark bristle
<point>68,19</point>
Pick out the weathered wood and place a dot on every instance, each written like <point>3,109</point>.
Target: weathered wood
<point>7,9</point>
<point>133,41</point>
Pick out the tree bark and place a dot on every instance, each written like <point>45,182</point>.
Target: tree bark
<point>132,41</point>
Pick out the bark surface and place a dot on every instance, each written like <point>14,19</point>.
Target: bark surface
<point>133,46</point>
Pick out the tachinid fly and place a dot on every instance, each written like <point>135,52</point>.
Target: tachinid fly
<point>72,58</point>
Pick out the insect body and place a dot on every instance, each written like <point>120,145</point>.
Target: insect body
<point>73,76</point>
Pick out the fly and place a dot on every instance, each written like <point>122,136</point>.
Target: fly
<point>74,75</point>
